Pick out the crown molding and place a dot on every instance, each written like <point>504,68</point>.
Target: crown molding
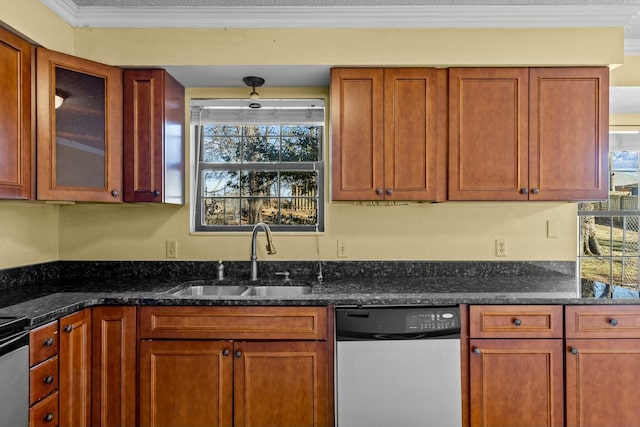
<point>509,16</point>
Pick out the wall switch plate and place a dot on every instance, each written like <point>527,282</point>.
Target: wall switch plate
<point>172,248</point>
<point>501,247</point>
<point>342,248</point>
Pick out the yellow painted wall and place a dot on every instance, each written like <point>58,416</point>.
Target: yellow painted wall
<point>447,231</point>
<point>28,233</point>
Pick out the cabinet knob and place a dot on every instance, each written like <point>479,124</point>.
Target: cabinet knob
<point>49,417</point>
<point>68,328</point>
<point>379,191</point>
<point>156,193</point>
<point>517,322</point>
<point>477,351</point>
<point>524,190</point>
<point>388,192</point>
<point>48,379</point>
<point>574,351</point>
<point>535,190</point>
<point>613,322</point>
<point>225,352</point>
<point>115,193</point>
<point>49,342</point>
<point>238,354</point>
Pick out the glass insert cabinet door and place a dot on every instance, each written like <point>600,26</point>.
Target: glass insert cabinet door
<point>79,127</point>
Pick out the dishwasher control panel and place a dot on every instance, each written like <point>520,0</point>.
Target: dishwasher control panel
<point>433,319</point>
<point>380,323</point>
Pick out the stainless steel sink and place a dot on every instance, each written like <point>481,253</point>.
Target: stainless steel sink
<point>211,290</point>
<point>277,291</point>
<point>206,288</point>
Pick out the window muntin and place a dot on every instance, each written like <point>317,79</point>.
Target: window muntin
<point>256,171</point>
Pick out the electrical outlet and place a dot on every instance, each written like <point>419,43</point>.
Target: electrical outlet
<point>172,249</point>
<point>501,247</point>
<point>342,248</point>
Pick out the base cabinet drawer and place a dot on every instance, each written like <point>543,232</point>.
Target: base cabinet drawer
<point>45,412</point>
<point>515,321</point>
<point>43,379</point>
<point>621,321</point>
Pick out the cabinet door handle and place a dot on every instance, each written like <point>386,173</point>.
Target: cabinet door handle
<point>535,190</point>
<point>379,191</point>
<point>477,351</point>
<point>225,352</point>
<point>517,322</point>
<point>156,193</point>
<point>49,342</point>
<point>238,354</point>
<point>613,322</point>
<point>68,328</point>
<point>48,379</point>
<point>115,193</point>
<point>574,351</point>
<point>49,417</point>
<point>389,192</point>
<point>524,190</point>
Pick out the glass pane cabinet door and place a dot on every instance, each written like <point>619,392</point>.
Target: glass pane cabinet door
<point>79,107</point>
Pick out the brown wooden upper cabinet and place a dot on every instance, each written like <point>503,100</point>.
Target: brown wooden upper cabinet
<point>528,133</point>
<point>385,139</point>
<point>153,137</point>
<point>79,126</point>
<point>16,114</point>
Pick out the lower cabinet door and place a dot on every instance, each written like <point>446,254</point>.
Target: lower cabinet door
<point>281,384</point>
<point>602,382</point>
<point>516,382</point>
<point>185,383</point>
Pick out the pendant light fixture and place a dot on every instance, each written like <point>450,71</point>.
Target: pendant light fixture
<point>254,82</point>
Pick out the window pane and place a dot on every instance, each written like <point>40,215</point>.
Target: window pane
<point>596,269</point>
<point>298,211</point>
<point>221,212</point>
<point>220,183</point>
<point>258,183</point>
<point>221,144</point>
<point>300,147</point>
<point>298,184</point>
<point>259,209</point>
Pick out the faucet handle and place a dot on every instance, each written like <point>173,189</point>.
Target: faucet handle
<point>286,275</point>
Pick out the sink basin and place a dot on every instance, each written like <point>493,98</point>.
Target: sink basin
<point>211,290</point>
<point>277,291</point>
<point>206,288</point>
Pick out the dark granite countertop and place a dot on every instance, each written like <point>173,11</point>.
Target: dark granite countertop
<point>45,298</point>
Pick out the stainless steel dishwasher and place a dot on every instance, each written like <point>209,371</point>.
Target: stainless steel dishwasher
<point>398,366</point>
<point>14,372</point>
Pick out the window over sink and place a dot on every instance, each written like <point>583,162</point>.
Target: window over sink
<point>258,164</point>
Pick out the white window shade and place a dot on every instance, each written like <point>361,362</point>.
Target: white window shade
<point>284,111</point>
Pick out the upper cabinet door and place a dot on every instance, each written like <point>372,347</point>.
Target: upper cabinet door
<point>79,140</point>
<point>569,133</point>
<point>153,137</point>
<point>488,133</point>
<point>357,134</point>
<point>16,115</point>
<point>410,147</point>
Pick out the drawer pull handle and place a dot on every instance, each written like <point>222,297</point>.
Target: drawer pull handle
<point>49,342</point>
<point>477,351</point>
<point>574,351</point>
<point>517,322</point>
<point>613,322</point>
<point>49,417</point>
<point>68,328</point>
<point>225,352</point>
<point>48,379</point>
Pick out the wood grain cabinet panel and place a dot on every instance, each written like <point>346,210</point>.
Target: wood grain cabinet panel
<point>517,382</point>
<point>17,113</point>
<point>153,137</point>
<point>79,144</point>
<point>516,321</point>
<point>513,131</point>
<point>45,413</point>
<point>114,360</point>
<point>43,343</point>
<point>385,139</point>
<point>43,379</point>
<point>75,369</point>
